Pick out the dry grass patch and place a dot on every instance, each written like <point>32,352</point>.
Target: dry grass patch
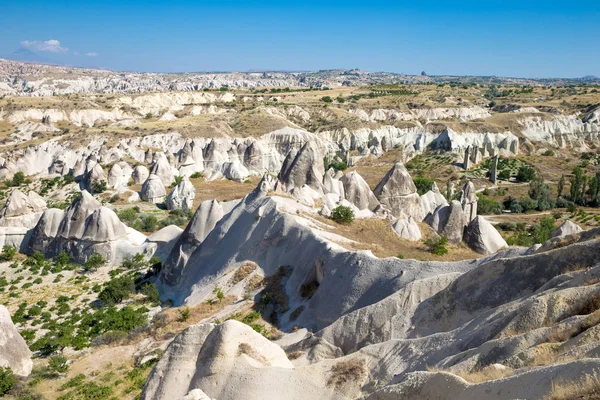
<point>377,235</point>
<point>169,323</point>
<point>243,271</point>
<point>588,388</point>
<point>489,373</point>
<point>224,190</point>
<point>347,371</point>
<point>294,355</point>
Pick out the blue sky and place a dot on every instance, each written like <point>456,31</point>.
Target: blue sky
<point>505,38</point>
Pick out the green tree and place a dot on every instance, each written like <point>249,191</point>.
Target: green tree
<point>94,262</point>
<point>63,258</point>
<point>18,179</point>
<point>117,290</point>
<point>8,380</point>
<point>342,215</point>
<point>437,245</point>
<point>561,186</point>
<point>576,185</point>
<point>8,252</point>
<point>526,173</point>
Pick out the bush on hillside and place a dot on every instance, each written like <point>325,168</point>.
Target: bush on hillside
<point>342,215</point>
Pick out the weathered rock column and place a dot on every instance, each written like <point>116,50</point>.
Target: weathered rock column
<point>494,169</point>
<point>467,160</point>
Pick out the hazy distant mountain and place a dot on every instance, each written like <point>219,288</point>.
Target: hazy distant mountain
<point>25,55</point>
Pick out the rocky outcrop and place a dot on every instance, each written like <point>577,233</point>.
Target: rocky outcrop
<point>306,168</point>
<point>22,210</point>
<point>358,192</point>
<point>182,196</point>
<point>398,193</point>
<point>14,352</point>
<point>482,237</point>
<point>407,228</point>
<point>449,221</point>
<point>140,174</point>
<point>432,200</point>
<point>153,190</point>
<point>566,228</point>
<point>163,170</point>
<point>206,217</point>
<point>468,201</point>
<point>84,228</point>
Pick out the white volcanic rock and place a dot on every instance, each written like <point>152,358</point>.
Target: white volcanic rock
<point>168,116</point>
<point>95,176</point>
<point>463,113</point>
<point>331,184</point>
<point>407,228</point>
<point>482,237</point>
<point>449,221</point>
<point>14,352</point>
<point>235,171</point>
<point>103,225</point>
<point>432,200</point>
<point>46,230</point>
<point>398,193</point>
<point>206,217</point>
<point>358,192</point>
<point>163,169</point>
<point>153,190</point>
<point>22,210</point>
<point>305,168</point>
<point>83,229</point>
<point>140,174</point>
<point>182,196</point>
<point>566,228</point>
<point>118,177</point>
<point>165,239</point>
<point>468,200</point>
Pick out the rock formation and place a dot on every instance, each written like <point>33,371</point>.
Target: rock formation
<point>358,192</point>
<point>306,168</point>
<point>449,221</point>
<point>14,352</point>
<point>140,174</point>
<point>398,193</point>
<point>494,170</point>
<point>468,200</point>
<point>467,159</point>
<point>153,190</point>
<point>182,196</point>
<point>566,228</point>
<point>482,237</point>
<point>407,228</point>
<point>432,200</point>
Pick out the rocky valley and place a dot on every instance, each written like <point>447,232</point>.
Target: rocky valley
<point>292,235</point>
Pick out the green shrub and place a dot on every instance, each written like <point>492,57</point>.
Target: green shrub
<point>196,175</point>
<point>423,184</point>
<point>128,215</point>
<point>526,173</point>
<point>337,165</point>
<point>549,153</point>
<point>8,380</point>
<point>8,252</point>
<point>326,99</point>
<point>99,186</point>
<point>184,314</point>
<point>504,175</point>
<point>94,262</point>
<point>149,222</point>
<point>342,215</point>
<point>151,293</point>
<point>437,245</point>
<point>117,290</point>
<point>487,205</point>
<point>17,180</point>
<point>62,258</point>
<point>58,364</point>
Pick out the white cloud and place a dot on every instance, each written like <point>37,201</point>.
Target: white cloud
<point>76,53</point>
<point>92,54</point>
<point>51,45</point>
